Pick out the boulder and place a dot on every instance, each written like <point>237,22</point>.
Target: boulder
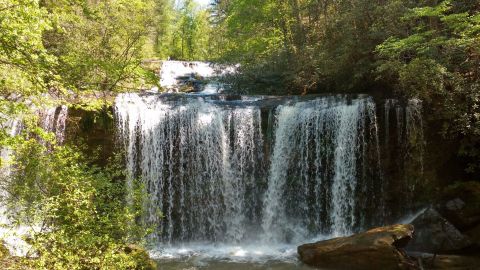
<point>434,234</point>
<point>460,204</point>
<point>379,248</point>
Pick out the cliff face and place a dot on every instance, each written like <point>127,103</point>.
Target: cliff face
<point>94,131</point>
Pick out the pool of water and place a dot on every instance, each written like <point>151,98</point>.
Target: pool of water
<point>217,257</point>
<point>193,264</point>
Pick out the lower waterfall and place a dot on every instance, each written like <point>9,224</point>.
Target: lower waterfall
<point>236,176</point>
<point>213,173</point>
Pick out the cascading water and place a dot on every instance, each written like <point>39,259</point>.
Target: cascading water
<point>12,127</point>
<point>318,165</point>
<point>53,120</point>
<point>261,170</point>
<point>175,73</point>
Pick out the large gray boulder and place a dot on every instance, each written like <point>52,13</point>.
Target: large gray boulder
<point>379,248</point>
<point>434,234</point>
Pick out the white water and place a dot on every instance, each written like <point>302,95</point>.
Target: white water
<point>53,120</point>
<point>171,71</point>
<point>319,143</point>
<point>196,161</point>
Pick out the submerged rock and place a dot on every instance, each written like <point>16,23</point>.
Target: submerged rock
<point>379,248</point>
<point>434,234</point>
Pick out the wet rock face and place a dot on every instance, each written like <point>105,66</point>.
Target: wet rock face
<point>94,130</point>
<point>379,248</point>
<point>434,234</point>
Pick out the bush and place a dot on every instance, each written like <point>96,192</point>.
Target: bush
<point>79,208</point>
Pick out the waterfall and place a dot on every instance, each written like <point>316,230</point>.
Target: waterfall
<point>211,174</point>
<point>13,127</point>
<point>53,119</point>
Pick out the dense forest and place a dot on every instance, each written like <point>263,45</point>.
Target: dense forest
<point>83,52</point>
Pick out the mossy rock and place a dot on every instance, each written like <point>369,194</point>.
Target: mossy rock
<point>4,252</point>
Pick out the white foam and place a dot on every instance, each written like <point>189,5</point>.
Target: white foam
<point>254,252</point>
<point>171,71</point>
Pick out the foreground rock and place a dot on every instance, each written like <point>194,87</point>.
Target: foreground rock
<point>379,248</point>
<point>434,234</point>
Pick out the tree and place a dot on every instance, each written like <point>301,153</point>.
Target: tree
<point>99,45</point>
<point>438,61</point>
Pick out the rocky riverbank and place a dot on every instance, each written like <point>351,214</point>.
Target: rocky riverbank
<point>444,236</point>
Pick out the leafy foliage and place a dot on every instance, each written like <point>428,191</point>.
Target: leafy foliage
<point>59,48</point>
<point>76,209</point>
<point>23,59</point>
<point>438,62</point>
<point>424,49</point>
<point>189,33</point>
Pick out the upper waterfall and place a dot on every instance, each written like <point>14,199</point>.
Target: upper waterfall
<point>201,76</point>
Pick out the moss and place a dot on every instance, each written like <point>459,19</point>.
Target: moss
<point>140,255</point>
<point>4,252</point>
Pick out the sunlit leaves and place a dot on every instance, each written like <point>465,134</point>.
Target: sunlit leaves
<point>23,59</point>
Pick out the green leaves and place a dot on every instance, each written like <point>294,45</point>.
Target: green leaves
<point>100,45</point>
<point>430,11</point>
<point>86,223</point>
<point>23,59</point>
<point>438,61</point>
